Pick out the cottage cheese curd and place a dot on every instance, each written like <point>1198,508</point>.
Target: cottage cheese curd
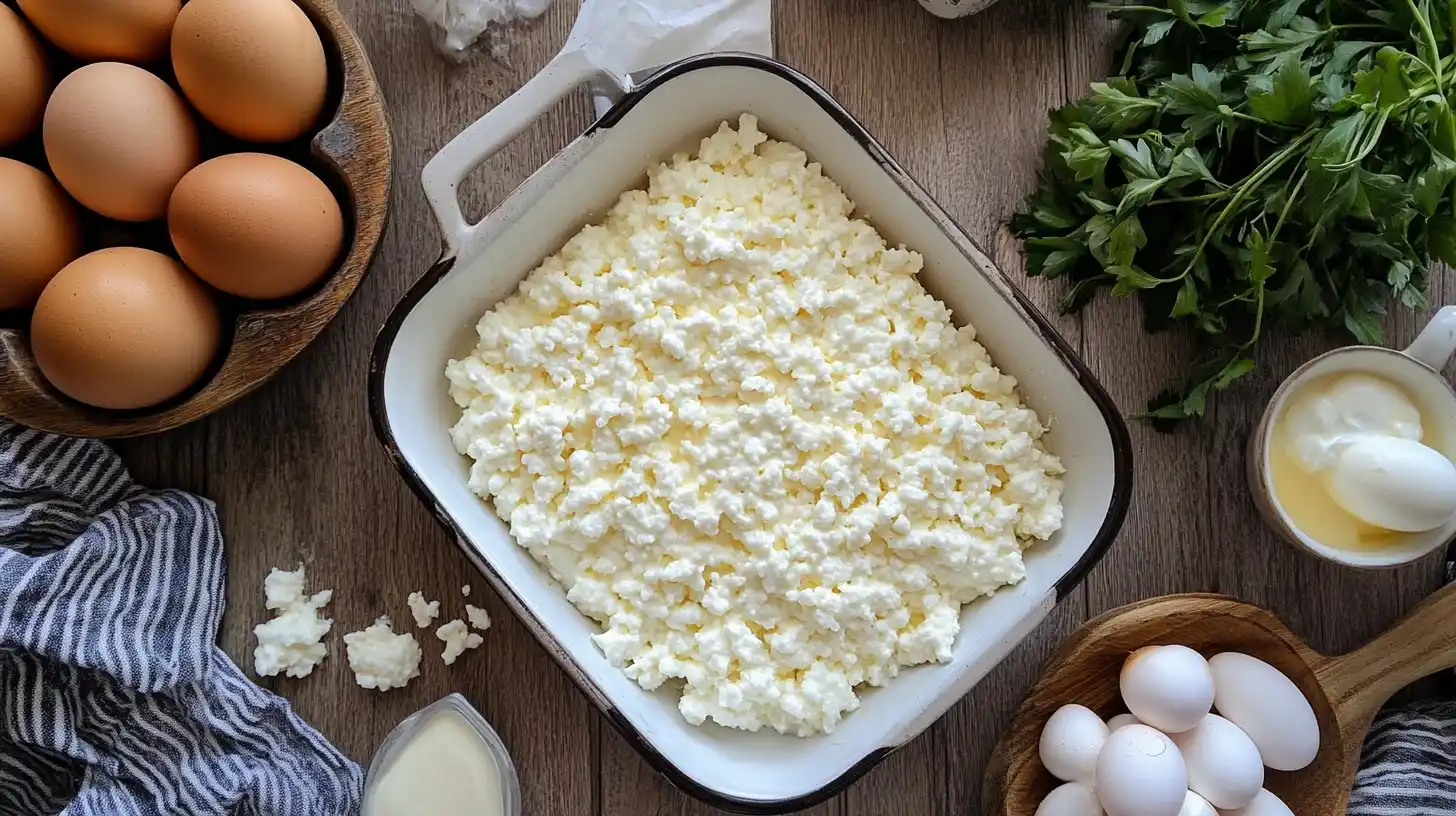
<point>382,659</point>
<point>423,611</point>
<point>292,642</point>
<point>457,638</point>
<point>740,433</point>
<point>479,618</point>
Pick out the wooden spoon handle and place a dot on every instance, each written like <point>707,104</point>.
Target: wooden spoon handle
<point>1421,644</point>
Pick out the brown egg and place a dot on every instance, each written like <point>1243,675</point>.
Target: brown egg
<point>24,78</point>
<point>254,68</point>
<point>124,328</point>
<point>118,139</point>
<point>38,233</point>
<point>128,30</point>
<point>255,225</point>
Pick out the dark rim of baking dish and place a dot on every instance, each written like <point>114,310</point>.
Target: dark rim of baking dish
<point>1117,429</point>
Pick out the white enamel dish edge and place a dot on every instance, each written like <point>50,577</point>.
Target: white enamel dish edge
<point>484,263</point>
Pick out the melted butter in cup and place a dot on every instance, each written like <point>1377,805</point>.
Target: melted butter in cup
<point>444,760</point>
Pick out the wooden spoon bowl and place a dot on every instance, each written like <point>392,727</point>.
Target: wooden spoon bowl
<point>350,151</point>
<point>1346,692</point>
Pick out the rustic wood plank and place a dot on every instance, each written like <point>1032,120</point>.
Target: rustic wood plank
<point>878,59</point>
<point>174,460</point>
<point>994,118</point>
<point>630,787</point>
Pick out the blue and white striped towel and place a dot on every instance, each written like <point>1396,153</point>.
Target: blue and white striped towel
<point>1408,767</point>
<point>114,698</point>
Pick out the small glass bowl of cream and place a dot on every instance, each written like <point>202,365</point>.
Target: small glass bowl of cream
<point>444,760</point>
<point>1353,459</point>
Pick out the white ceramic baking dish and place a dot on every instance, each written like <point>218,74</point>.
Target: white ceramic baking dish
<point>483,263</point>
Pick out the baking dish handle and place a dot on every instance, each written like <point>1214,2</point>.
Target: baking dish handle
<point>442,175</point>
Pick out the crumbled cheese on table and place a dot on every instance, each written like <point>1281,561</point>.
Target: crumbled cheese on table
<point>732,423</point>
<point>479,618</point>
<point>457,639</point>
<point>380,658</point>
<point>465,590</point>
<point>424,612</point>
<point>291,642</point>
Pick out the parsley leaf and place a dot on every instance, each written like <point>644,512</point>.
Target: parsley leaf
<point>1117,106</point>
<point>1256,166</point>
<point>1290,41</point>
<point>1285,98</point>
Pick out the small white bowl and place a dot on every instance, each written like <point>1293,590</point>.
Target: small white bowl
<point>400,737</point>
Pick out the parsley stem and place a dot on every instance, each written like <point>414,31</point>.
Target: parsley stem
<point>1370,139</point>
<point>1273,236</point>
<point>1122,7</point>
<point>1216,194</point>
<point>1451,28</point>
<point>1289,204</point>
<point>1424,23</point>
<point>1258,317</point>
<point>1245,188</point>
<point>1256,120</point>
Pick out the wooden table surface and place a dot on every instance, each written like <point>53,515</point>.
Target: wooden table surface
<point>297,475</point>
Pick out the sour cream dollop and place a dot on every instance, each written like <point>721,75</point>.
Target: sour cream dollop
<point>1362,436</point>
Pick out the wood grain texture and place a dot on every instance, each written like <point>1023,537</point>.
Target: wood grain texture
<point>355,148</point>
<point>962,104</point>
<point>1345,692</point>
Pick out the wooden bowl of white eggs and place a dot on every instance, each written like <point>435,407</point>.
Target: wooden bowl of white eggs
<point>1200,705</point>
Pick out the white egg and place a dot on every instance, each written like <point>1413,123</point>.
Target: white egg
<point>1167,687</point>
<point>1120,720</point>
<point>1195,805</point>
<point>1070,742</point>
<point>1265,804</point>
<point>1258,698</point>
<point>1394,484</point>
<point>1141,773</point>
<point>1071,799</point>
<point>1223,765</point>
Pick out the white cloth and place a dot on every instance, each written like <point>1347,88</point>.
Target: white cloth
<point>636,37</point>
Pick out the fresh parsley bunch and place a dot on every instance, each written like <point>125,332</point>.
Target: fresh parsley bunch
<point>1255,163</point>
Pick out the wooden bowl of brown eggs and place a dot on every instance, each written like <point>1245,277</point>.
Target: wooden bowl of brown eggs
<point>192,192</point>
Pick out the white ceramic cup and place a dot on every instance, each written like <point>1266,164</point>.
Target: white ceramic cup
<point>1417,372</point>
